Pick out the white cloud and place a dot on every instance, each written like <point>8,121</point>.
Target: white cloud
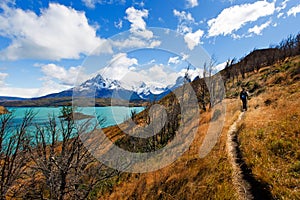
<point>58,32</point>
<point>155,43</point>
<point>183,16</point>
<point>131,42</point>
<point>294,10</point>
<point>233,18</point>
<point>158,75</point>
<point>89,3</point>
<point>19,92</point>
<point>48,87</point>
<point>63,76</point>
<point>186,20</point>
<point>282,5</point>
<point>138,24</point>
<point>119,66</point>
<point>280,15</point>
<point>92,3</point>
<point>56,79</point>
<point>258,29</point>
<point>140,36</point>
<point>119,24</point>
<point>131,74</point>
<point>174,60</point>
<point>51,86</point>
<point>2,78</point>
<point>185,56</point>
<point>192,3</point>
<point>193,39</point>
<point>135,42</point>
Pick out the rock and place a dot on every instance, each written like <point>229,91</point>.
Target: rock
<point>3,110</point>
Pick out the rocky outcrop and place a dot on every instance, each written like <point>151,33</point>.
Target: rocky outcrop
<point>3,110</point>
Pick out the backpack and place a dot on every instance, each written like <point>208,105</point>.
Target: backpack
<point>243,95</point>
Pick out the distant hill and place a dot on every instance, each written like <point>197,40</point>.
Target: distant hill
<point>4,98</point>
<point>66,101</point>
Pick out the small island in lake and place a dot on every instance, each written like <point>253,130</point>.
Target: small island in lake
<point>75,116</point>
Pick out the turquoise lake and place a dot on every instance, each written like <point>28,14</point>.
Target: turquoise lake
<point>112,114</point>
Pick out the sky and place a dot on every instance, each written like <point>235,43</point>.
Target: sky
<point>48,46</point>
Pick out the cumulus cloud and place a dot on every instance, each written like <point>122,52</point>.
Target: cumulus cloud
<point>140,36</point>
<point>258,29</point>
<point>138,24</point>
<point>183,16</point>
<point>294,10</point>
<point>233,18</point>
<point>58,32</point>
<point>193,39</point>
<point>191,3</point>
<point>119,66</point>
<point>186,20</point>
<point>67,77</point>
<point>174,60</point>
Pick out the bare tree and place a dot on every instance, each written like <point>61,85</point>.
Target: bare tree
<point>209,80</point>
<point>13,153</point>
<point>67,167</point>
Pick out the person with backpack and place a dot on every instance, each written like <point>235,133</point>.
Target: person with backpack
<point>244,97</point>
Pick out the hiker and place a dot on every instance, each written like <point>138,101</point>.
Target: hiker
<point>244,97</point>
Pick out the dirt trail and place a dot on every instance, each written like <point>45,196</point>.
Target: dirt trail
<point>247,186</point>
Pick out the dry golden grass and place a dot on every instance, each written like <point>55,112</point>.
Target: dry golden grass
<point>270,132</point>
<point>189,177</point>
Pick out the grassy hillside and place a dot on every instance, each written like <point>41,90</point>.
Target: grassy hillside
<point>268,136</point>
<point>188,178</point>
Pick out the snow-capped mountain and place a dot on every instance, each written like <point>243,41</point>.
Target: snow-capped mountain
<point>98,82</point>
<point>100,87</point>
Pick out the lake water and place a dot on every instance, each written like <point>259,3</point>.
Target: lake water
<point>113,114</point>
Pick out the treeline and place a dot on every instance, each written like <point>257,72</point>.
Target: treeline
<point>259,58</point>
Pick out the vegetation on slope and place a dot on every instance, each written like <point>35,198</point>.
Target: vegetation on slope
<point>211,177</point>
<point>270,133</point>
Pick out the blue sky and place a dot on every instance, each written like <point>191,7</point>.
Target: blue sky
<point>44,44</point>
